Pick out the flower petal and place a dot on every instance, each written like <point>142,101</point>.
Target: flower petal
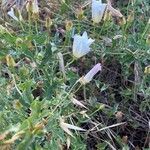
<point>90,41</point>
<point>89,76</point>
<point>85,35</point>
<point>81,45</point>
<point>12,14</point>
<point>98,9</point>
<point>78,103</point>
<point>64,127</point>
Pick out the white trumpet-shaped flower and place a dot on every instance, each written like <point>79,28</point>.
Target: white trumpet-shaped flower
<point>98,9</point>
<point>35,7</point>
<point>81,45</point>
<point>89,76</point>
<point>12,14</point>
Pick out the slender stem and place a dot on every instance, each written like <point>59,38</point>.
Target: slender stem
<point>84,92</point>
<point>77,89</point>
<point>145,30</point>
<point>21,25</point>
<point>68,64</point>
<point>36,26</point>
<point>16,86</point>
<point>29,20</point>
<point>61,103</point>
<point>71,88</point>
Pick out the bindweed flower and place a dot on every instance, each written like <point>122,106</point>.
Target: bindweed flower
<point>89,76</point>
<point>81,45</point>
<point>12,14</point>
<point>35,8</point>
<point>98,9</point>
<point>29,6</point>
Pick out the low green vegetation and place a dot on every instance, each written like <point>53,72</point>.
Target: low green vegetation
<point>69,81</point>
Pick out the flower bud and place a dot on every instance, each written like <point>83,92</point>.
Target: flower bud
<point>80,13</point>
<point>29,6</point>
<point>48,22</point>
<point>35,7</point>
<point>122,21</point>
<point>17,104</point>
<point>10,61</point>
<point>68,25</point>
<point>19,41</point>
<point>89,76</point>
<point>35,10</point>
<point>147,70</point>
<point>130,17</point>
<point>107,16</point>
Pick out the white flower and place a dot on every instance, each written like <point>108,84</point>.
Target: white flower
<point>81,45</point>
<point>12,14</point>
<point>98,9</point>
<point>35,7</point>
<point>89,76</point>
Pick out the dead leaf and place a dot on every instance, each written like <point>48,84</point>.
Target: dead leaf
<point>114,12</point>
<point>66,127</point>
<point>76,102</point>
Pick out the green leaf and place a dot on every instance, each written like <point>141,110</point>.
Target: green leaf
<point>27,140</point>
